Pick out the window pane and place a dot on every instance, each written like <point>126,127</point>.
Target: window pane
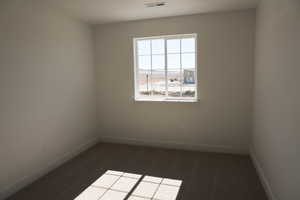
<point>174,83</point>
<point>153,77</point>
<point>188,60</point>
<point>158,46</point>
<point>158,83</point>
<point>173,61</point>
<point>144,62</point>
<point>143,47</point>
<point>158,62</point>
<point>189,84</point>
<point>144,82</point>
<point>173,46</point>
<point>188,45</point>
<point>188,90</point>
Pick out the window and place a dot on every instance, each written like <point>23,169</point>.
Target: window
<point>166,68</point>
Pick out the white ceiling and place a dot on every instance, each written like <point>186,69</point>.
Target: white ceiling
<point>107,11</point>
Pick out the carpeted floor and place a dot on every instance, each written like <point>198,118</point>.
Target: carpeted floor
<point>206,176</point>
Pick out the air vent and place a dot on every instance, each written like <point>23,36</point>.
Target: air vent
<point>155,4</point>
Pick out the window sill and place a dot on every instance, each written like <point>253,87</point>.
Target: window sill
<point>168,100</point>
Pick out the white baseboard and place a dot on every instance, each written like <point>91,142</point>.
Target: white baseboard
<point>176,145</point>
<point>262,176</point>
<point>11,189</point>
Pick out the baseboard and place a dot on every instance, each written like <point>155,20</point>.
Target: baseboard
<point>262,176</point>
<point>11,189</point>
<point>176,145</point>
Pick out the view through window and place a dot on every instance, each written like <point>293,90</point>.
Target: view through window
<point>116,185</point>
<point>166,68</point>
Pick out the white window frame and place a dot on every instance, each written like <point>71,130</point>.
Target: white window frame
<point>136,69</point>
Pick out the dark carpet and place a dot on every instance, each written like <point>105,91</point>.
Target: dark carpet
<point>206,176</point>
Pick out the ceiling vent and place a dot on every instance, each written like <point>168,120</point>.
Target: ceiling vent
<point>155,4</point>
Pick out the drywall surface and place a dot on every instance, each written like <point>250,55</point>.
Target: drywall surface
<point>276,139</point>
<point>47,90</point>
<point>220,121</point>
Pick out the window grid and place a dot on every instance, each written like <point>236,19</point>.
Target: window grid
<point>165,54</point>
<point>180,73</point>
<point>166,69</point>
<point>171,53</point>
<point>151,75</point>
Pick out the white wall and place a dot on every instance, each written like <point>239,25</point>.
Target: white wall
<point>220,121</point>
<point>47,89</point>
<point>276,138</point>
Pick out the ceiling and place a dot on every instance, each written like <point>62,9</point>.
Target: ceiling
<point>107,11</point>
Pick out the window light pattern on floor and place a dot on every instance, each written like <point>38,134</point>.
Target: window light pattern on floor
<point>156,188</point>
<point>113,185</point>
<point>116,185</point>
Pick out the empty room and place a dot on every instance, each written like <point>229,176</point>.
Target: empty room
<point>149,100</point>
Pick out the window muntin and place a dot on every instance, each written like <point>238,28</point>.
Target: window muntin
<point>166,68</point>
